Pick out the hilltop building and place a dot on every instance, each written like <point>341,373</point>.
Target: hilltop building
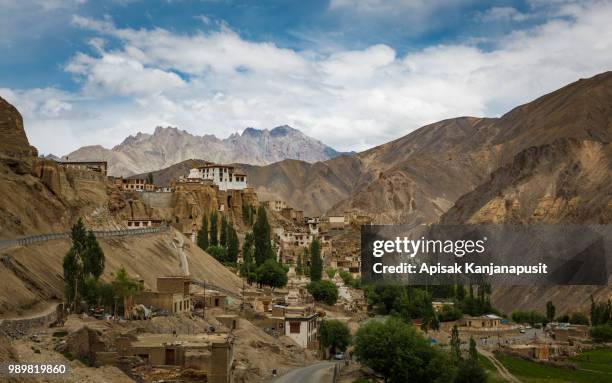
<point>94,166</point>
<point>226,177</point>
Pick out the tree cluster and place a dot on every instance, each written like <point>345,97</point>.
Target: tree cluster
<point>335,335</point>
<point>84,264</point>
<point>323,291</point>
<point>258,255</point>
<point>220,242</point>
<point>85,259</point>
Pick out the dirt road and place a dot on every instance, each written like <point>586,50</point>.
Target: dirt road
<point>322,372</point>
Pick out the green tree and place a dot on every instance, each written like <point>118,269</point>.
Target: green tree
<point>219,253</point>
<point>84,258</point>
<point>247,268</point>
<point>224,230</point>
<point>470,372</point>
<point>247,214</point>
<point>316,263</point>
<point>232,245</point>
<point>578,318</point>
<point>270,273</point>
<point>460,292</point>
<point>334,334</point>
<point>550,311</point>
<point>73,277</point>
<point>396,351</point>
<point>473,351</point>
<point>203,234</point>
<point>124,286</point>
<point>601,333</point>
<point>331,272</point>
<point>261,233</point>
<point>214,231</point>
<point>150,178</point>
<point>323,291</point>
<point>93,262</point>
<point>306,261</point>
<point>299,269</point>
<point>455,343</point>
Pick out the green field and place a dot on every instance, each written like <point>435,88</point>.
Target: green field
<point>594,366</point>
<point>492,373</point>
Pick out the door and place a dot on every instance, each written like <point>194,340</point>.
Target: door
<point>170,356</point>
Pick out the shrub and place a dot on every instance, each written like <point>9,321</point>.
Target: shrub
<point>323,291</point>
<point>602,333</point>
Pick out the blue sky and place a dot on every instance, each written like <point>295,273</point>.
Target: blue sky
<point>353,74</point>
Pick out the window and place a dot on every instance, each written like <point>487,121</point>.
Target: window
<point>294,327</point>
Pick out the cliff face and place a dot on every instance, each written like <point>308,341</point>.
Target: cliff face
<point>13,140</point>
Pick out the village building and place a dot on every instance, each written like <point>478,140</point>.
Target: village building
<point>172,295</point>
<point>209,299</point>
<point>133,184</point>
<point>212,353</point>
<point>94,166</point>
<point>142,223</point>
<point>489,321</point>
<point>226,177</point>
<point>301,325</point>
<point>277,205</point>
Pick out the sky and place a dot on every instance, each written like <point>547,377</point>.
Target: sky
<point>351,73</point>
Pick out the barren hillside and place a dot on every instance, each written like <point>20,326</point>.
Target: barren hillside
<point>33,273</point>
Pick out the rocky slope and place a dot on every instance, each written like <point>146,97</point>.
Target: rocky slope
<point>168,146</point>
<point>420,176</point>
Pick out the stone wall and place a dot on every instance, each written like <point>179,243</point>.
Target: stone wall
<point>16,328</point>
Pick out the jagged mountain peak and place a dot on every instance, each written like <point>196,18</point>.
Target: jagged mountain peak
<point>166,146</point>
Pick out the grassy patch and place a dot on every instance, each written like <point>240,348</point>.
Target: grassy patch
<point>598,360</point>
<point>492,374</point>
<point>596,371</point>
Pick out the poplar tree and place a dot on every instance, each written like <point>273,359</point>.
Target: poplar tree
<point>203,234</point>
<point>84,259</point>
<point>232,245</point>
<point>214,239</point>
<point>316,263</point>
<point>455,343</point>
<point>298,266</point>
<point>261,236</point>
<point>224,229</point>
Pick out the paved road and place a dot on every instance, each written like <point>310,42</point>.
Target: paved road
<point>321,372</point>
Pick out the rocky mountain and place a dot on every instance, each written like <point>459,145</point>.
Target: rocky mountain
<point>420,177</point>
<point>168,146</point>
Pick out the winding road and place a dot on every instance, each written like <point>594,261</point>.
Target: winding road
<point>322,372</point>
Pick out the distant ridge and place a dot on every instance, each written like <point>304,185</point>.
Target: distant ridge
<point>168,146</point>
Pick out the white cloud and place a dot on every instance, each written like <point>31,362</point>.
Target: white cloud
<point>502,14</point>
<point>219,83</point>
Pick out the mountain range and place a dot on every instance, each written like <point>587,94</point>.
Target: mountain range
<point>546,161</point>
<point>167,146</point>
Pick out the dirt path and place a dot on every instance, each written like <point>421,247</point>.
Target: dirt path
<point>42,309</point>
<point>503,371</point>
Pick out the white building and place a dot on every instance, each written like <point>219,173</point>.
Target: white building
<point>224,176</point>
<point>301,325</point>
